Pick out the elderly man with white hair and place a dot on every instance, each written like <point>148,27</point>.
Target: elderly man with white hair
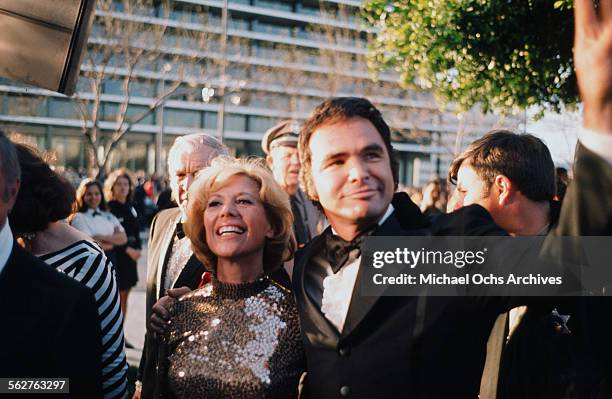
<point>171,262</point>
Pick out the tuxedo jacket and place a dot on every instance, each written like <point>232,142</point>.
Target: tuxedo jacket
<point>425,347</point>
<point>161,238</point>
<point>50,326</point>
<point>431,347</point>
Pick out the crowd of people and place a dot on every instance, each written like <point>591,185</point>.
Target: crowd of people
<point>253,277</point>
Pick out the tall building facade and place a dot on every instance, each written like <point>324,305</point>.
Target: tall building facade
<point>234,68</point>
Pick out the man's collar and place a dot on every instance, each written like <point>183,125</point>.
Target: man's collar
<point>382,220</point>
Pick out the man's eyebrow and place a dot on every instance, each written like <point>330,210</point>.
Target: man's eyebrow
<point>334,155</point>
<point>372,147</point>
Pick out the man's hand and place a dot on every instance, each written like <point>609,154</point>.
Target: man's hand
<point>593,62</point>
<point>161,316</point>
<point>136,395</point>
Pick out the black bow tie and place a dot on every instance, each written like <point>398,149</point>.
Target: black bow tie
<point>96,213</point>
<point>340,252</point>
<point>180,233</point>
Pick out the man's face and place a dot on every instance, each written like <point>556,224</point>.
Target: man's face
<point>351,172</point>
<point>471,189</point>
<point>285,165</point>
<point>183,170</point>
<point>8,195</point>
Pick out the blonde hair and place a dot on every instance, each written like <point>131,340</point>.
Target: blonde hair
<point>112,179</point>
<point>277,249</point>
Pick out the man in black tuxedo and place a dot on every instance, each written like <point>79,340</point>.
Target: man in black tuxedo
<point>425,347</point>
<point>171,263</point>
<point>50,324</point>
<point>377,346</point>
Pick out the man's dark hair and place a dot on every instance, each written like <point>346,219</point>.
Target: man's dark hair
<point>44,196</point>
<point>335,110</point>
<point>522,158</point>
<point>9,165</point>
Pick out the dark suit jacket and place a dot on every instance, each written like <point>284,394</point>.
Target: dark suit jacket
<point>161,236</point>
<point>426,347</point>
<point>400,346</point>
<point>50,326</point>
<point>587,211</point>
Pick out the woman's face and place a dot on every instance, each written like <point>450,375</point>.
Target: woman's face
<point>121,188</point>
<point>235,220</point>
<point>92,197</point>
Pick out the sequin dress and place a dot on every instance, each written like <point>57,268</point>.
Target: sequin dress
<point>235,341</point>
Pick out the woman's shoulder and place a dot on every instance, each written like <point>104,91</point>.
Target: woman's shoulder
<point>78,216</point>
<point>84,250</point>
<point>281,295</point>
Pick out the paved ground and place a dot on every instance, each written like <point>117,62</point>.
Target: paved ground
<point>135,320</point>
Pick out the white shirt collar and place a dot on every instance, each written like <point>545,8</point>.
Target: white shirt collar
<point>6,245</point>
<point>382,220</point>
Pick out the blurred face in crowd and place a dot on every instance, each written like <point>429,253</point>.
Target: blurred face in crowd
<point>351,172</point>
<point>183,170</point>
<point>471,189</point>
<point>499,198</point>
<point>121,188</point>
<point>285,164</point>
<point>92,197</point>
<point>235,220</point>
<point>432,191</point>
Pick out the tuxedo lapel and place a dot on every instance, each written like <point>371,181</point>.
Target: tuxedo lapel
<point>406,220</point>
<point>317,329</point>
<point>361,305</point>
<point>166,245</point>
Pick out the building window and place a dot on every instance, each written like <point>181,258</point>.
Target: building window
<point>66,109</point>
<point>235,122</point>
<point>260,123</point>
<point>181,117</point>
<point>210,120</point>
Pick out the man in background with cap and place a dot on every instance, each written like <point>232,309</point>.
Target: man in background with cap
<point>280,145</point>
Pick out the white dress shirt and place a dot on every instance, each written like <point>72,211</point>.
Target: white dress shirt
<point>338,287</point>
<point>102,224</point>
<point>6,245</point>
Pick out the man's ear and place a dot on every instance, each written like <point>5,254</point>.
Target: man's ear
<point>505,188</point>
<point>269,161</point>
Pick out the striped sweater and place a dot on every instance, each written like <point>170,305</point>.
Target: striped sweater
<point>86,263</point>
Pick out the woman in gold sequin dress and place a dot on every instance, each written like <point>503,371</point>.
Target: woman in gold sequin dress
<point>237,337</point>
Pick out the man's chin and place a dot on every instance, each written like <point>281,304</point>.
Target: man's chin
<point>367,213</point>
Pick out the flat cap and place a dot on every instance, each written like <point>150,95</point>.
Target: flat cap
<point>285,133</point>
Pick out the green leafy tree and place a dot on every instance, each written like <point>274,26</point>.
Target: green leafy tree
<point>501,54</point>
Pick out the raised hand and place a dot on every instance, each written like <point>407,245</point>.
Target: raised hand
<point>593,62</point>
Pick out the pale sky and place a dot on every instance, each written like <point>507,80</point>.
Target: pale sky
<point>559,132</point>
